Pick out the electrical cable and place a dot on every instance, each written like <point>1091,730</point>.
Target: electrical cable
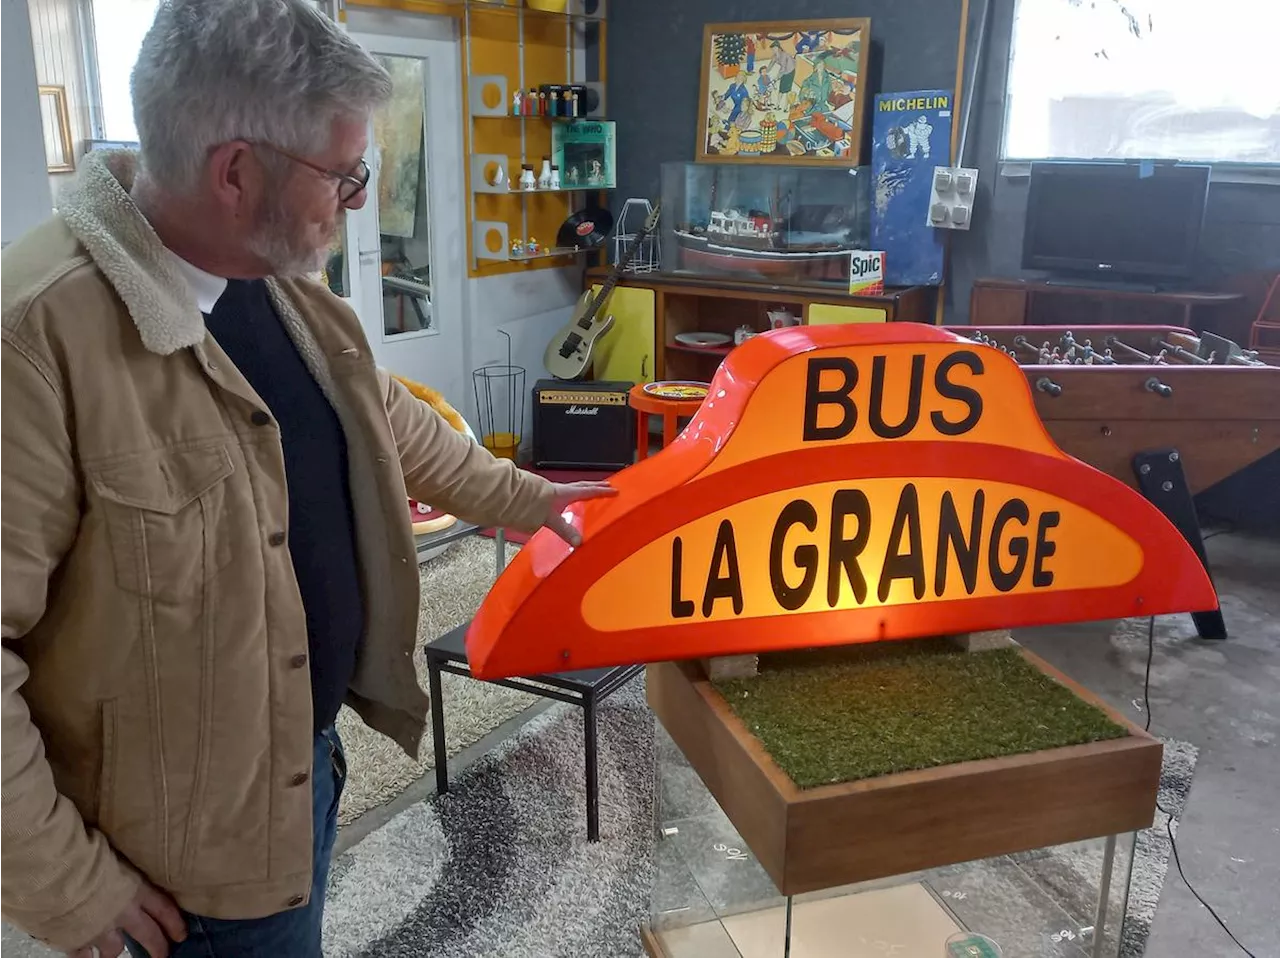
<point>1169,816</point>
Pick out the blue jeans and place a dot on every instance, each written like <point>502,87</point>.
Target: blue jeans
<point>288,934</point>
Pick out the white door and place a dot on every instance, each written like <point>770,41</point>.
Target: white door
<point>408,277</point>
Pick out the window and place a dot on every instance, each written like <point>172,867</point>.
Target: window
<point>1157,79</point>
<point>118,29</point>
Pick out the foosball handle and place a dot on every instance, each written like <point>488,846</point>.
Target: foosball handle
<point>1048,386</point>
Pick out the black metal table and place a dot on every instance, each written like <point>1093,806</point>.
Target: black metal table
<point>585,689</point>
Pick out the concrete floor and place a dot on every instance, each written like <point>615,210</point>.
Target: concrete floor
<point>1225,698</point>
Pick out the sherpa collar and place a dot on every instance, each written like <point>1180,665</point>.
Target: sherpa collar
<point>104,218</point>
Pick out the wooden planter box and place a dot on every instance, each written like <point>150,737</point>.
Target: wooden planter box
<point>834,835</point>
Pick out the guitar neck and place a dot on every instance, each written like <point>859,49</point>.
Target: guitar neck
<point>611,281</point>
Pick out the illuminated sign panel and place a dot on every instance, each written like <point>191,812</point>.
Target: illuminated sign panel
<point>840,484</point>
<point>869,543</point>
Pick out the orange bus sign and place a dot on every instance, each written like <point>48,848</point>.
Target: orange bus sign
<point>840,484</point>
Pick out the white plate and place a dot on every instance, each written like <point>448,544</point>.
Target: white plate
<point>703,339</point>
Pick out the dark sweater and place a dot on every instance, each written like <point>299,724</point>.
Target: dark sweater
<point>321,533</point>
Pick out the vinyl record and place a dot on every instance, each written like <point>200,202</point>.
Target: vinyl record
<point>585,229</point>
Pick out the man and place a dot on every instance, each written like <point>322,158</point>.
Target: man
<point>206,545</point>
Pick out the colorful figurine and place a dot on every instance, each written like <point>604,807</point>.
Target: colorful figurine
<point>533,248</point>
<point>516,248</point>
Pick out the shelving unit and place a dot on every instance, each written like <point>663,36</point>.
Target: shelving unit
<point>550,47</point>
<point>678,304</point>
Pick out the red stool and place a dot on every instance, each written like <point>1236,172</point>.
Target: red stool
<point>671,410</point>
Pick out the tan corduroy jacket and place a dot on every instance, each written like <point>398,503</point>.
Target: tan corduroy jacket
<point>157,703</point>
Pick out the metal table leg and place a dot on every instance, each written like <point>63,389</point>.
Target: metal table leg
<point>437,726</point>
<point>593,785</point>
<point>500,549</point>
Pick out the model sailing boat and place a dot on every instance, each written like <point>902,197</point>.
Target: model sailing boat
<point>809,241</point>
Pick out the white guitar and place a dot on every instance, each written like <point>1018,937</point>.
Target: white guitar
<point>568,355</point>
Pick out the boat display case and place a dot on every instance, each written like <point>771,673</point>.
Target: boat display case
<point>775,224</point>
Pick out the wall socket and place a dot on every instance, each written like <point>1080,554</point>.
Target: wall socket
<point>952,197</point>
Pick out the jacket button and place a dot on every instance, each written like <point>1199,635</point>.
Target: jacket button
<point>260,418</point>
<point>299,779</point>
<point>298,661</point>
<point>295,901</point>
<point>276,538</point>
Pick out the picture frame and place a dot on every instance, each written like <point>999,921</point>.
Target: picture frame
<point>55,118</point>
<point>784,91</point>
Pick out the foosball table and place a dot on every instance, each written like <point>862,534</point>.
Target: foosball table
<point>1161,408</point>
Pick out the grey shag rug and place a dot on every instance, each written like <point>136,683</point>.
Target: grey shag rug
<point>452,587</point>
<point>500,866</point>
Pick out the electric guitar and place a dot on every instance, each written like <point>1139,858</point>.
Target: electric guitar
<point>568,355</point>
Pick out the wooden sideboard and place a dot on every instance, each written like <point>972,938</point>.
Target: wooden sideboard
<point>1017,302</point>
<point>650,309</point>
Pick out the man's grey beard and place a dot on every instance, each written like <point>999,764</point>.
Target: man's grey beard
<point>277,240</point>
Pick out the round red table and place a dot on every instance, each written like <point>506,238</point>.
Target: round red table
<point>671,410</point>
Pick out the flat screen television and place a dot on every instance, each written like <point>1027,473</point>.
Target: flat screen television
<point>1126,221</point>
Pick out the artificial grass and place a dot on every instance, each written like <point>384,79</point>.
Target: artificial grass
<point>839,715</point>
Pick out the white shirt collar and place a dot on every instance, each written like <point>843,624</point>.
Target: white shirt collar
<point>205,287</point>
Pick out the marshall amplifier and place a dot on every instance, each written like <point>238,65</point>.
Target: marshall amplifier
<point>582,425</point>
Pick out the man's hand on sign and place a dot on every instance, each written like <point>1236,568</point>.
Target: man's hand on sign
<point>569,492</point>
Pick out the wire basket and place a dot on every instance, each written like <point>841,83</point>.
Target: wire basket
<point>499,392</point>
<point>635,212</point>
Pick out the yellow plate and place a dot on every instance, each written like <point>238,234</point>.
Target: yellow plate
<point>677,390</point>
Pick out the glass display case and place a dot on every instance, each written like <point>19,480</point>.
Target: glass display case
<point>713,899</point>
<point>775,224</point>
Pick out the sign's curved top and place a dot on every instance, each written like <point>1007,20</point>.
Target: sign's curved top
<point>840,484</point>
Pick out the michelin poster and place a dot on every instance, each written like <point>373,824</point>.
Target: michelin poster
<point>911,135</point>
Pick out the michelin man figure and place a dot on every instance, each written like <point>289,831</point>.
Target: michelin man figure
<point>918,136</point>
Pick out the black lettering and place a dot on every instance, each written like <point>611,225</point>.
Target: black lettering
<point>910,564</point>
<point>729,585</point>
<point>681,608</point>
<point>965,394</point>
<point>1040,576</point>
<point>1002,579</point>
<point>951,539</point>
<point>796,512</point>
<point>876,410</point>
<point>815,397</point>
<point>844,552</point>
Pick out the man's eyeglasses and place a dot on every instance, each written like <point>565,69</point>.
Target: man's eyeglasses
<point>350,185</point>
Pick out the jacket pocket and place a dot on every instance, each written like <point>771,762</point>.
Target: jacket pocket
<point>165,517</point>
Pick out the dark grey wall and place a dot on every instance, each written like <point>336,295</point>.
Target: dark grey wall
<point>654,50</point>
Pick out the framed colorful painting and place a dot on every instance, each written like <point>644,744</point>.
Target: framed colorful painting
<point>783,92</point>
